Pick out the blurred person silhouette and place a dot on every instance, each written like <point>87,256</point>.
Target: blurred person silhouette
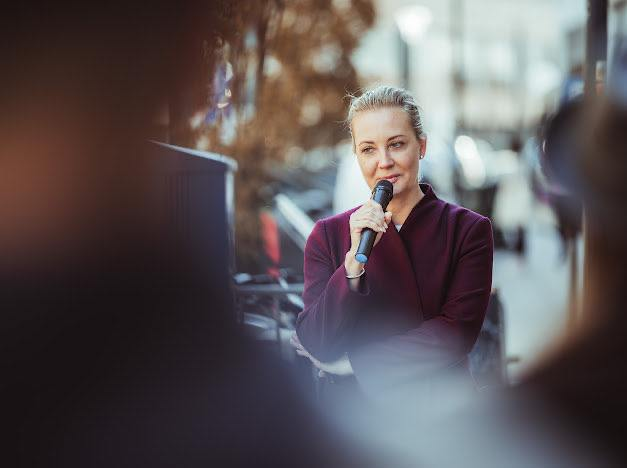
<point>400,326</point>
<point>118,347</point>
<point>584,380</point>
<point>556,160</point>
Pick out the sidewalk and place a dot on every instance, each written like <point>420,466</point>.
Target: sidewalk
<point>534,291</point>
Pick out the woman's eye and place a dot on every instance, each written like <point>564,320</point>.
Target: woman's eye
<point>396,144</point>
<point>367,149</point>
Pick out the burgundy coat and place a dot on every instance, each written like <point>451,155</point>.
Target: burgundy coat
<point>421,301</point>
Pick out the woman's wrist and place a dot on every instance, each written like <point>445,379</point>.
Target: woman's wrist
<point>351,265</point>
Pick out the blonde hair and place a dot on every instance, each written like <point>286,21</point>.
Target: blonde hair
<point>385,96</point>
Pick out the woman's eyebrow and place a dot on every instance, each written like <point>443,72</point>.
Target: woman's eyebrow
<point>396,136</point>
<point>372,142</point>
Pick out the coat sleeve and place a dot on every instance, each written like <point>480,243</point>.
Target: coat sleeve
<point>440,342</point>
<point>324,325</point>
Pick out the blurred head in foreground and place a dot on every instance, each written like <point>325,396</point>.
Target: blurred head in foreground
<point>117,349</point>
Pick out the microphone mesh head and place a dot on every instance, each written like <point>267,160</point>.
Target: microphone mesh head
<point>383,192</point>
<point>385,185</point>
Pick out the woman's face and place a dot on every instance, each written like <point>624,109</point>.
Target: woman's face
<point>387,148</point>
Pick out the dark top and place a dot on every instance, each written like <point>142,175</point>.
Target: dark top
<point>420,304</point>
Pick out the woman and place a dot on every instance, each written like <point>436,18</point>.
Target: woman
<point>416,308</point>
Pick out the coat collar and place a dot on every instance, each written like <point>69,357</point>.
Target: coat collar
<point>427,200</point>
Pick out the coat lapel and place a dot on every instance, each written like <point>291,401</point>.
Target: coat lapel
<point>391,276</point>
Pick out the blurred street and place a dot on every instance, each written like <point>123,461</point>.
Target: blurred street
<point>534,291</point>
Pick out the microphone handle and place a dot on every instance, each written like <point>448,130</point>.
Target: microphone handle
<point>382,196</point>
<point>365,245</point>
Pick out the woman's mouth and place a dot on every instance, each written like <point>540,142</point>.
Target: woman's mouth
<point>392,178</point>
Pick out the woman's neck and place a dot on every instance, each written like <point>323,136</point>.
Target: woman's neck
<point>401,205</point>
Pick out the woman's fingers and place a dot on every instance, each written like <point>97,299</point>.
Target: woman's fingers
<point>294,340</point>
<point>371,222</point>
<point>377,222</point>
<point>300,349</point>
<point>314,361</point>
<point>302,352</point>
<point>368,217</point>
<point>318,364</point>
<point>370,209</point>
<point>372,206</point>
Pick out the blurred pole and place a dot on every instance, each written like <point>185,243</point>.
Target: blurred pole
<point>520,41</point>
<point>596,43</point>
<point>596,57</point>
<point>573,287</point>
<point>456,19</point>
<point>403,56</point>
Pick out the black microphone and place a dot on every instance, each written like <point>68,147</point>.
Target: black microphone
<point>382,194</point>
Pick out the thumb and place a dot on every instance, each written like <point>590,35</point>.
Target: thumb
<point>388,217</point>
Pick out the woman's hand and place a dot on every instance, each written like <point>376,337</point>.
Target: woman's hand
<point>369,215</point>
<point>342,366</point>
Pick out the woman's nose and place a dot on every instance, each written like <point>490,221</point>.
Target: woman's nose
<point>385,160</point>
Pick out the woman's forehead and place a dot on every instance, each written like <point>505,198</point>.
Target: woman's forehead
<point>380,123</point>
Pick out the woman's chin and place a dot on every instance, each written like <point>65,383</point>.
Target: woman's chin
<point>398,188</point>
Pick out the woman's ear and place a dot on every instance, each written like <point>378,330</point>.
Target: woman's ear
<point>423,147</point>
